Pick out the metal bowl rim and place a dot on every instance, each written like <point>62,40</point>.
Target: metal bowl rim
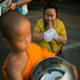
<point>44,60</point>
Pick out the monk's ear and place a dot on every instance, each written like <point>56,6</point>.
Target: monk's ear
<point>6,41</point>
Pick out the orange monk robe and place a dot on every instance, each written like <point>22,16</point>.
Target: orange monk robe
<point>35,54</point>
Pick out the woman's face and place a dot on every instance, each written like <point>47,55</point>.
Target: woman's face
<point>50,15</point>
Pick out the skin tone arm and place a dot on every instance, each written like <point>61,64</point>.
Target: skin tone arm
<point>15,72</point>
<point>16,66</point>
<point>75,73</point>
<point>61,40</point>
<point>14,5</point>
<point>38,36</point>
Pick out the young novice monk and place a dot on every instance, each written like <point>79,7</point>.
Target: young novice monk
<point>24,55</point>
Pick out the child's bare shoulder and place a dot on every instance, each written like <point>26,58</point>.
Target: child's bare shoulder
<point>16,65</point>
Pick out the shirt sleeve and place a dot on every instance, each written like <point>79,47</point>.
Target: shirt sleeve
<point>36,28</point>
<point>63,31</point>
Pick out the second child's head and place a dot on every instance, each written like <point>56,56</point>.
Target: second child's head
<point>15,29</point>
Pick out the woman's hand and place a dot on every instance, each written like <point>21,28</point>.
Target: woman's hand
<point>49,25</point>
<point>12,7</point>
<point>1,0</point>
<point>75,73</point>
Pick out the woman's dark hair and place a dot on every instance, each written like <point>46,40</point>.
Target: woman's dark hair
<point>50,5</point>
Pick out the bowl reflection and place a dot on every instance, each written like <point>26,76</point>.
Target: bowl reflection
<point>51,68</point>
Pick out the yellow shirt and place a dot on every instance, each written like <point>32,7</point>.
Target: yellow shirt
<point>60,29</point>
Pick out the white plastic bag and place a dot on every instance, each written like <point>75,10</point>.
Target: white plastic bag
<point>50,34</point>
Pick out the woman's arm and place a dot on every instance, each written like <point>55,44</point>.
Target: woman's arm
<point>75,73</point>
<point>61,40</point>
<point>38,36</point>
<point>15,5</point>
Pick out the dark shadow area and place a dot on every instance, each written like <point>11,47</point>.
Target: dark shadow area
<point>64,6</point>
<point>4,50</point>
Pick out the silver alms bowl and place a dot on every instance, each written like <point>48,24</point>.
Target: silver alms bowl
<point>49,65</point>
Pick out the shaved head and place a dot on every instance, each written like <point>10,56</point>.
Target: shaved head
<point>10,20</point>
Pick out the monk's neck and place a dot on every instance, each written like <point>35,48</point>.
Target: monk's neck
<point>19,53</point>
